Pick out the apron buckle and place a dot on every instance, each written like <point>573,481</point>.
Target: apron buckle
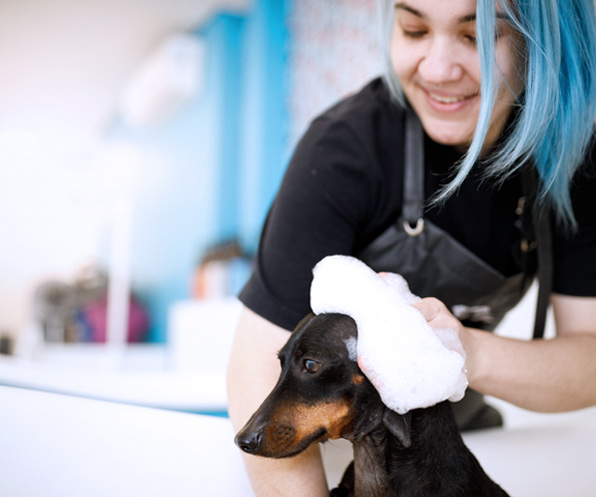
<point>414,230</point>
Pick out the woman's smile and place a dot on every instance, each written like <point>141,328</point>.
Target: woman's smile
<point>449,102</point>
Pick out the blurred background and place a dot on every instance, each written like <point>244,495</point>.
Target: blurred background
<point>141,144</point>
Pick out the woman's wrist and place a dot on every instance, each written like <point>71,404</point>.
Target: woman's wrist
<point>477,364</point>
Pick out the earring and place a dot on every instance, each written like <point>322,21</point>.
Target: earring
<point>438,87</point>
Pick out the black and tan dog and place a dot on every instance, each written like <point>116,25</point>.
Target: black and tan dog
<point>321,394</point>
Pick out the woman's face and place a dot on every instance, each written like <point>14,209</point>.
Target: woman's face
<point>433,50</point>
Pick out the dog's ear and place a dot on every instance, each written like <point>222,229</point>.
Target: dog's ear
<point>398,425</point>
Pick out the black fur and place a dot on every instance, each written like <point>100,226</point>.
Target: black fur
<point>322,394</point>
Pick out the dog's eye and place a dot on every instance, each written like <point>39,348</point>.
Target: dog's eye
<point>311,366</point>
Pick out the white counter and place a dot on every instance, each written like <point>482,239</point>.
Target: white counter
<point>191,391</point>
<point>55,445</point>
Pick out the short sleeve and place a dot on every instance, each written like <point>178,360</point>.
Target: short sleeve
<point>319,210</point>
<point>575,252</point>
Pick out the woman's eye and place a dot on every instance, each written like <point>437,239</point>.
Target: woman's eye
<point>413,34</point>
<point>311,366</point>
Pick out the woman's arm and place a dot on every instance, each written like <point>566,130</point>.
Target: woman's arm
<point>252,374</point>
<point>541,375</point>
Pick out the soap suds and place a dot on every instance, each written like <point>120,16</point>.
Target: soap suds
<point>410,364</point>
<point>352,346</point>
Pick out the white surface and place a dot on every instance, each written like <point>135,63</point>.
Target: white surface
<point>59,446</point>
<point>54,445</point>
<point>540,455</point>
<point>166,389</point>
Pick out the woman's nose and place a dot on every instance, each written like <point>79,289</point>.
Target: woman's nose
<point>441,63</point>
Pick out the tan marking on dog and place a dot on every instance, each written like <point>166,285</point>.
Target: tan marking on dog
<point>357,379</point>
<point>293,423</point>
<point>332,416</point>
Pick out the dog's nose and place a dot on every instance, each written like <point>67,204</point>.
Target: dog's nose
<point>249,442</point>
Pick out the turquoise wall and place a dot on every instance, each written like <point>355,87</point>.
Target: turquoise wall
<point>264,114</point>
<point>225,75</point>
<point>214,168</point>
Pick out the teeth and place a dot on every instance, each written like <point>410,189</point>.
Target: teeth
<point>447,100</point>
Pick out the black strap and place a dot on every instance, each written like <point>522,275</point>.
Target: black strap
<point>413,201</point>
<point>545,264</point>
<point>538,233</point>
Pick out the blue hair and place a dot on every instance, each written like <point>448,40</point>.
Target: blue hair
<point>555,122</point>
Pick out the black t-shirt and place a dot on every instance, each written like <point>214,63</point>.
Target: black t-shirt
<point>343,188</point>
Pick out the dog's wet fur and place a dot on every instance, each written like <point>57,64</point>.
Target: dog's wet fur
<point>322,394</point>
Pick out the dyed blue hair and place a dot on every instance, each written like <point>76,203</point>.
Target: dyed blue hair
<point>555,122</point>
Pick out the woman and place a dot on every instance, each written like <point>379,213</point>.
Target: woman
<point>505,93</point>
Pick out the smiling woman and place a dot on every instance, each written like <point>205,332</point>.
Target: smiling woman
<point>478,134</point>
<point>434,57</point>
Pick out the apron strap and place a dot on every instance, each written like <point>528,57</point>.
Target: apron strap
<point>413,192</point>
<point>538,224</point>
<point>545,264</point>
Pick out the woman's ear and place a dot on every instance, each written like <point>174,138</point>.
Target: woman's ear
<point>398,425</point>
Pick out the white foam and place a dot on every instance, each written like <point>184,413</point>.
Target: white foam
<point>352,346</point>
<point>410,364</point>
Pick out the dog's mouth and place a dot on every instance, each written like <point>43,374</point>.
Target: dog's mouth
<point>278,440</point>
<point>289,430</point>
<point>296,447</point>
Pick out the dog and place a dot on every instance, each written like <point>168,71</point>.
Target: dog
<point>322,394</point>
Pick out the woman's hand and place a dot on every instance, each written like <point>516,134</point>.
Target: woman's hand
<point>437,315</point>
<point>551,375</point>
<point>440,319</point>
<point>445,326</point>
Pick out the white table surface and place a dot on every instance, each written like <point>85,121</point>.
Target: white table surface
<point>191,391</point>
<point>540,455</point>
<point>54,445</point>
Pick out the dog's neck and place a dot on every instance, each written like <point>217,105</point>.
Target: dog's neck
<point>383,467</point>
<point>370,469</point>
<point>370,439</point>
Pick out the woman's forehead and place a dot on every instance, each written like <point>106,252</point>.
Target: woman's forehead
<point>460,11</point>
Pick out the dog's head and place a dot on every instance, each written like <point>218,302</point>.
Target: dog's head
<point>321,394</point>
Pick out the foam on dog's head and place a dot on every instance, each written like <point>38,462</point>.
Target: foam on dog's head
<point>407,362</point>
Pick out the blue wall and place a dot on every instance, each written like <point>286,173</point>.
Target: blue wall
<point>264,113</point>
<point>224,86</point>
<point>214,168</point>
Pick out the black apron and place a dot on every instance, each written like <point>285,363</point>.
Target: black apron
<point>435,264</point>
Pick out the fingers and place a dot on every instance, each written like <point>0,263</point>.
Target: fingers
<point>446,326</point>
<point>436,313</point>
<point>430,307</point>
